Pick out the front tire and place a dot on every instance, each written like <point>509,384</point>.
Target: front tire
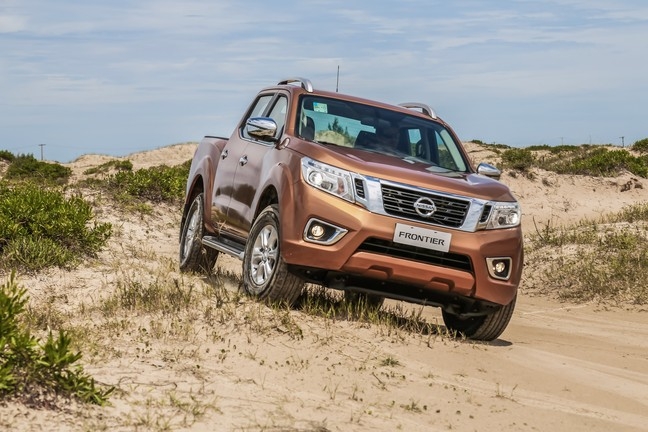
<point>486,328</point>
<point>194,257</point>
<point>265,274</point>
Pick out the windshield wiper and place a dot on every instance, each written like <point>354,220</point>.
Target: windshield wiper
<point>418,159</point>
<point>326,143</point>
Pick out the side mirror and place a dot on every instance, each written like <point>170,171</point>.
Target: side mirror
<point>262,128</point>
<point>488,171</point>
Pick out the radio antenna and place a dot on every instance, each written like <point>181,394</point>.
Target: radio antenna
<point>337,82</point>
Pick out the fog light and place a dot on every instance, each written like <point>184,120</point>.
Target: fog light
<point>320,232</point>
<point>317,231</point>
<point>499,268</point>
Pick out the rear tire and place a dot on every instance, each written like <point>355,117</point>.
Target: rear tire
<point>265,273</point>
<point>486,328</point>
<point>194,257</point>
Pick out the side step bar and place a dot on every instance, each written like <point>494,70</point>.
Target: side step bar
<point>225,246</point>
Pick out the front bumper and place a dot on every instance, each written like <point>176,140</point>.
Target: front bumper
<point>366,251</point>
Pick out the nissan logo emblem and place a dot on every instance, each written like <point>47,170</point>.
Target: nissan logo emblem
<point>424,207</point>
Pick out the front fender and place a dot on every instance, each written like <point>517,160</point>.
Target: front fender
<point>277,186</point>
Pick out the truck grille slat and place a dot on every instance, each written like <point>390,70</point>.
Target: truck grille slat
<point>359,188</point>
<point>449,212</point>
<point>445,259</point>
<point>485,213</point>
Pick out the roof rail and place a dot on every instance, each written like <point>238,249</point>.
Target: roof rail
<point>423,107</point>
<point>305,83</point>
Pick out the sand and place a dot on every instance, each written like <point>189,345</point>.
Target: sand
<point>558,366</point>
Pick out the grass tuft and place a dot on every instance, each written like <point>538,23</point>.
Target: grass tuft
<point>603,261</point>
<point>318,301</point>
<point>30,368</point>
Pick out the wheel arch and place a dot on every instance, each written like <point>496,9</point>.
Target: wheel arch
<point>268,197</point>
<point>277,185</point>
<point>201,173</point>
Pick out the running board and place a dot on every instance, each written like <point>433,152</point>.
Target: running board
<point>224,246</point>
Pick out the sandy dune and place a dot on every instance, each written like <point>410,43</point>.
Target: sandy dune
<point>558,366</point>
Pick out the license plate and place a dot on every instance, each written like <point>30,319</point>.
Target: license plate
<point>422,237</point>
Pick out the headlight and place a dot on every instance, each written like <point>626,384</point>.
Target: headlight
<point>504,215</point>
<point>328,178</point>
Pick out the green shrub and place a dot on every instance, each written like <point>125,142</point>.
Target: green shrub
<point>566,149</point>
<point>581,160</point>
<point>518,159</point>
<point>498,146</point>
<point>29,366</point>
<point>40,228</point>
<point>641,146</point>
<point>554,149</point>
<point>539,147</point>
<point>160,183</point>
<point>7,155</point>
<point>592,161</point>
<point>493,146</point>
<point>27,167</point>
<point>601,162</point>
<point>119,165</point>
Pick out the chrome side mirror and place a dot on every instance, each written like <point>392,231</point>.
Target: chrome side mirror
<point>488,171</point>
<point>263,128</point>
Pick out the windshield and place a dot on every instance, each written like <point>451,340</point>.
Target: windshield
<point>378,130</point>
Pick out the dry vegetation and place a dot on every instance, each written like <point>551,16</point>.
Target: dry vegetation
<point>188,352</point>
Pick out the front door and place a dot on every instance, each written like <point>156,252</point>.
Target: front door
<point>254,163</point>
<point>230,162</point>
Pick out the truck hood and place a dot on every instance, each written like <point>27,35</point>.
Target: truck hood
<point>408,171</point>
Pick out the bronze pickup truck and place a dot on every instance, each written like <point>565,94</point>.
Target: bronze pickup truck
<point>378,200</point>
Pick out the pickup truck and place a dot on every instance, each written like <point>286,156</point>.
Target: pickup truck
<point>378,200</point>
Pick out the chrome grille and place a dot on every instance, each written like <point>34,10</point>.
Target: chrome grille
<point>485,213</point>
<point>359,188</point>
<point>449,212</point>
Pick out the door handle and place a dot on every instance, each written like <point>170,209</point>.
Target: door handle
<point>224,154</point>
<point>243,160</point>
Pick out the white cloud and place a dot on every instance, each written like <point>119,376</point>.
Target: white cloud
<point>70,90</point>
<point>208,56</point>
<point>12,23</point>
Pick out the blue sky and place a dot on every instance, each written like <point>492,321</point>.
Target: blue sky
<point>84,76</point>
